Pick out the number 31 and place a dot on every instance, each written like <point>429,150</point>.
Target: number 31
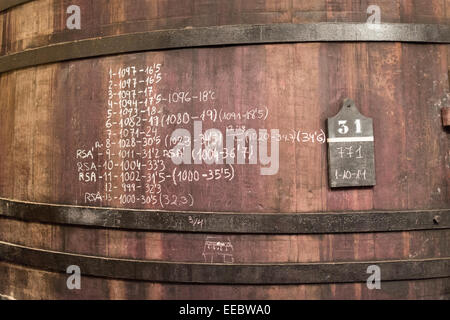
<point>343,129</point>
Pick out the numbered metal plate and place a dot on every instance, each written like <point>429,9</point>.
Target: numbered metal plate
<point>351,158</point>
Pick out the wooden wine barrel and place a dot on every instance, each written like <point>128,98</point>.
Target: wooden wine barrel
<point>88,176</point>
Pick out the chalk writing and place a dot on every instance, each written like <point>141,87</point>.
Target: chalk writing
<point>351,160</point>
<point>218,249</point>
<point>148,145</point>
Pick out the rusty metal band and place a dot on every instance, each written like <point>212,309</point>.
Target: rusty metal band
<point>226,35</point>
<point>234,223</point>
<point>7,4</point>
<point>180,272</point>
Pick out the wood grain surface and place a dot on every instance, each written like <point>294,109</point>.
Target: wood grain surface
<point>49,112</point>
<point>400,89</point>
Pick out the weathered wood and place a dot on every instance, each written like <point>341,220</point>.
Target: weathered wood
<point>110,17</point>
<point>445,117</point>
<point>266,248</point>
<point>336,272</point>
<point>225,35</point>
<point>49,113</point>
<point>246,223</point>
<point>95,288</point>
<point>7,4</point>
<point>77,122</point>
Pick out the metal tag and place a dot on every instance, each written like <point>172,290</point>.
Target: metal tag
<point>351,159</point>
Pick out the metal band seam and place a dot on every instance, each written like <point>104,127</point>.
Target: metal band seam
<point>180,272</point>
<point>232,223</point>
<point>224,36</point>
